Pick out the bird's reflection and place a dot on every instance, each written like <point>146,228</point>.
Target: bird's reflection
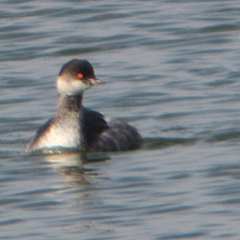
<point>72,164</point>
<point>74,175</point>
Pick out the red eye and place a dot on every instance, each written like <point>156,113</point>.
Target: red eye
<point>80,75</point>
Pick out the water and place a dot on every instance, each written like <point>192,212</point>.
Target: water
<point>172,71</point>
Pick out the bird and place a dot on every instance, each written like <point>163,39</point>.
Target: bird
<point>78,127</point>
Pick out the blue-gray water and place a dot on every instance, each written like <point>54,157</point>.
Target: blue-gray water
<point>172,70</point>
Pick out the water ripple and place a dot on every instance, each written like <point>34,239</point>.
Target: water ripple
<point>172,69</point>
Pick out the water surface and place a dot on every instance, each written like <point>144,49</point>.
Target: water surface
<point>172,71</point>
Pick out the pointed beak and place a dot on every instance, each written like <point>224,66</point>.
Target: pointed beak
<point>95,81</point>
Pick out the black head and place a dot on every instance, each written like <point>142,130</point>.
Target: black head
<point>75,77</point>
<point>76,67</point>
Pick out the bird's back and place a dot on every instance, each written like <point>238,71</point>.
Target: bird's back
<point>99,135</point>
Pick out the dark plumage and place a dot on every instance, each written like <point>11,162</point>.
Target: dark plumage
<point>78,127</point>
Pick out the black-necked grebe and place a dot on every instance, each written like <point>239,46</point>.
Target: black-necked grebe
<point>78,127</point>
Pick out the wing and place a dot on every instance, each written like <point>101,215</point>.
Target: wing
<point>93,126</point>
<point>100,135</point>
<point>119,137</point>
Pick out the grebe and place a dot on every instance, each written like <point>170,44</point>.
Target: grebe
<point>75,126</point>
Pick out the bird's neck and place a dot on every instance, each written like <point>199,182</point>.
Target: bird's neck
<point>69,104</point>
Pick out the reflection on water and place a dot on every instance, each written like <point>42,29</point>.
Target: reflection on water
<point>72,164</point>
<point>74,174</point>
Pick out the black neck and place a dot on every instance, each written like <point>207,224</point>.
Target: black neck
<point>68,104</point>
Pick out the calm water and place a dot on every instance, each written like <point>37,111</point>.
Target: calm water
<point>172,70</point>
